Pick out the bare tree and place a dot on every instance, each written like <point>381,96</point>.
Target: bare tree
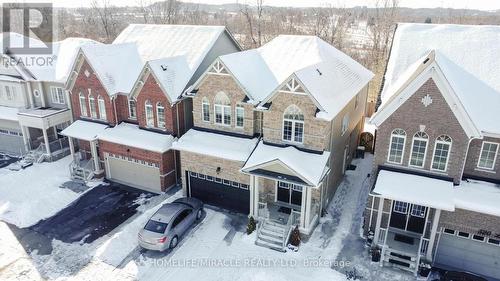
<point>254,21</point>
<point>105,13</point>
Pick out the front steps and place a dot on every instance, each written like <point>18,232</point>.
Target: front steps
<point>272,235</point>
<point>400,260</point>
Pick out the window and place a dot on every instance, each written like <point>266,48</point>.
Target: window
<point>240,115</point>
<point>463,234</point>
<point>449,231</point>
<point>244,186</point>
<point>150,120</point>
<point>194,175</point>
<point>57,94</point>
<point>345,124</point>
<point>218,180</point>
<point>441,153</point>
<point>488,155</point>
<point>400,207</point>
<point>222,109</point>
<point>226,182</point>
<point>293,124</point>
<point>205,109</point>
<point>102,108</point>
<point>235,184</point>
<point>132,109</point>
<point>397,146</point>
<point>160,115</point>
<point>494,241</point>
<point>478,238</point>
<point>201,176</point>
<point>418,149</point>
<point>418,211</point>
<point>210,178</point>
<point>93,109</point>
<point>83,105</point>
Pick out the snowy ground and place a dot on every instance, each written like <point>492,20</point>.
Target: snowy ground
<point>215,249</point>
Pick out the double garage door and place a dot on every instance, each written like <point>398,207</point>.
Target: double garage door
<point>468,254</point>
<point>133,172</point>
<point>230,195</point>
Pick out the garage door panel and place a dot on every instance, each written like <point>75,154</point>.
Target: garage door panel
<point>134,174</point>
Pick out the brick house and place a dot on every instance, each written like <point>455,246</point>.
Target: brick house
<point>274,130</point>
<point>435,192</point>
<point>127,99</point>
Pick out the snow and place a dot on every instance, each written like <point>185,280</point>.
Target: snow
<point>216,145</point>
<point>311,166</point>
<point>468,56</point>
<point>173,75</point>
<point>29,195</point>
<point>478,196</point>
<point>330,76</point>
<point>9,113</point>
<point>415,189</point>
<point>131,135</point>
<point>116,65</point>
<point>84,130</point>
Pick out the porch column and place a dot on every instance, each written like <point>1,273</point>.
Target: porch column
<point>46,140</point>
<point>95,156</point>
<point>307,208</point>
<point>71,147</point>
<point>432,239</point>
<point>303,207</point>
<point>26,137</point>
<point>256,187</point>
<point>55,132</point>
<point>379,219</point>
<point>252,196</point>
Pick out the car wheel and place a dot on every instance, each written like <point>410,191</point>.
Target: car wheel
<point>174,242</point>
<point>199,214</point>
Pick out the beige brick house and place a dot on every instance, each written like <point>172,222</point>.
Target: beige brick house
<point>274,130</point>
<point>436,193</point>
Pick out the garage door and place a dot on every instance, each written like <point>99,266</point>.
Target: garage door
<point>133,172</point>
<point>219,192</point>
<point>467,252</point>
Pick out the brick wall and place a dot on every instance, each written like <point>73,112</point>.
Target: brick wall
<point>473,158</point>
<point>122,109</point>
<point>437,118</point>
<point>469,221</point>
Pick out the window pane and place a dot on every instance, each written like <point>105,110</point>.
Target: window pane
<point>149,116</point>
<point>418,153</point>
<point>160,110</point>
<point>227,115</point>
<point>287,130</point>
<point>83,106</point>
<point>218,114</point>
<point>239,116</point>
<point>102,109</point>
<point>132,108</point>
<point>488,154</point>
<point>299,131</point>
<point>440,156</point>
<point>396,149</point>
<point>206,112</point>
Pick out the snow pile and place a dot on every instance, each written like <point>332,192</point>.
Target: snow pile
<point>30,195</point>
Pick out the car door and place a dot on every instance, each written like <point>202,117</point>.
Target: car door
<point>185,221</point>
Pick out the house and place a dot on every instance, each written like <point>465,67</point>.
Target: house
<point>127,98</point>
<point>274,129</point>
<point>436,186</point>
<point>34,106</point>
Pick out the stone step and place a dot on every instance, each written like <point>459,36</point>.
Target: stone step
<point>267,232</point>
<point>272,246</point>
<point>270,238</point>
<point>274,228</point>
<point>390,264</point>
<point>399,259</point>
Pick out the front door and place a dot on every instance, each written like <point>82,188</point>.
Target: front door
<point>409,217</point>
<point>289,193</point>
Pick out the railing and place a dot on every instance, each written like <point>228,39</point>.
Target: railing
<point>293,220</point>
<point>87,169</point>
<point>262,211</point>
<point>59,144</point>
<point>424,246</point>
<point>381,236</point>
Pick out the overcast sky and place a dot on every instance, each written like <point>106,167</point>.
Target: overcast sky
<point>467,4</point>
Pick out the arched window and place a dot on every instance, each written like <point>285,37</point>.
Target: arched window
<point>150,119</point>
<point>419,149</point>
<point>83,105</point>
<point>293,124</point>
<point>205,109</point>
<point>102,108</point>
<point>397,146</point>
<point>441,153</point>
<point>92,106</point>
<point>160,115</point>
<point>222,108</point>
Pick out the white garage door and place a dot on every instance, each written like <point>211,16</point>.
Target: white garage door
<point>133,172</point>
<point>466,252</point>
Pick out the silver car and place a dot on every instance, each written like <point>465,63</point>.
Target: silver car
<point>164,228</point>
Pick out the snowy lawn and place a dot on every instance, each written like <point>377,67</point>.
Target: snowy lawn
<point>32,194</point>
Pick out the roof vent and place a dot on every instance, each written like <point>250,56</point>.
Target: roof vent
<point>163,67</point>
<point>319,72</point>
<point>426,60</point>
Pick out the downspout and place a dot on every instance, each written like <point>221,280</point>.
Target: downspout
<point>30,95</point>
<point>466,155</point>
<point>177,118</point>
<point>113,101</point>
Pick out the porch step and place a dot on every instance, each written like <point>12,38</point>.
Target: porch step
<point>270,245</point>
<point>401,267</point>
<point>278,235</point>
<point>400,260</point>
<point>272,235</point>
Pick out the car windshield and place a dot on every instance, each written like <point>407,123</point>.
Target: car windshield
<point>156,226</point>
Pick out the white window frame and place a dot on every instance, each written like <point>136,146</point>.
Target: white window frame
<point>418,211</point>
<point>205,112</point>
<point>403,136</point>
<point>440,140</point>
<point>237,111</point>
<point>397,208</point>
<point>149,114</point>
<point>92,106</point>
<point>494,157</point>
<point>225,109</point>
<point>132,109</point>
<point>453,234</point>
<point>294,123</point>
<point>83,105</point>
<point>160,118</point>
<point>101,104</point>
<point>418,138</point>
<point>57,95</point>
<point>468,234</point>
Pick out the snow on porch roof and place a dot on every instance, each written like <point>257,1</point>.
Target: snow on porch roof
<point>84,130</point>
<point>415,189</point>
<point>310,166</point>
<point>478,196</point>
<point>132,135</point>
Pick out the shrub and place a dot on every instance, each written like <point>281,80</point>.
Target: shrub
<point>251,226</point>
<point>295,237</point>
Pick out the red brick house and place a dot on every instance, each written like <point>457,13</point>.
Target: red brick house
<point>126,98</point>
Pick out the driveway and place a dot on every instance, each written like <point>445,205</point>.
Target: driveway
<point>7,160</point>
<point>92,215</point>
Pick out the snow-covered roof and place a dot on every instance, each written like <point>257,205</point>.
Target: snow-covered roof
<point>8,113</point>
<point>216,145</point>
<point>57,65</point>
<point>468,57</point>
<point>311,167</point>
<point>478,196</point>
<point>116,65</point>
<point>173,75</point>
<point>330,76</point>
<point>132,135</point>
<point>84,130</point>
<point>415,189</point>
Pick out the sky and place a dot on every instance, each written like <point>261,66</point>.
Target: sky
<point>459,4</point>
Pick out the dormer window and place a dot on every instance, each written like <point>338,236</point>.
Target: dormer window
<point>293,124</point>
<point>222,108</point>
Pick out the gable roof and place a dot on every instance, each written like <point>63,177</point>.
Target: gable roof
<point>329,76</point>
<point>466,54</point>
<point>172,74</point>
